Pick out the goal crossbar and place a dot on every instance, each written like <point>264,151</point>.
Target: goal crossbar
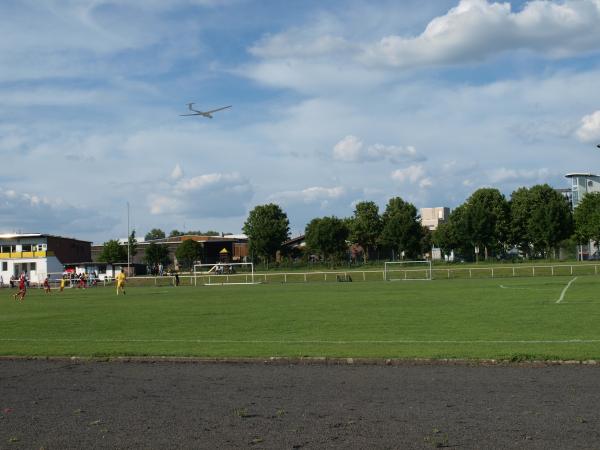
<point>224,273</point>
<point>407,271</point>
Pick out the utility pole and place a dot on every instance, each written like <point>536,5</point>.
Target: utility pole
<point>128,244</point>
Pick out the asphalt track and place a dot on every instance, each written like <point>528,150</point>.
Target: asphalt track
<point>64,404</point>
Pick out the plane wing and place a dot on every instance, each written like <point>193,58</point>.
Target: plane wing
<point>219,109</point>
<point>194,114</point>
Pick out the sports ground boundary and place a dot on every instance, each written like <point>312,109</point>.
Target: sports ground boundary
<point>302,361</point>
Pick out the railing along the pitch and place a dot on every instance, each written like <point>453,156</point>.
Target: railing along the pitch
<point>362,275</point>
<point>516,270</point>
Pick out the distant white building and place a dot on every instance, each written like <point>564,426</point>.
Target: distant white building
<point>432,217</point>
<point>581,184</point>
<point>39,254</point>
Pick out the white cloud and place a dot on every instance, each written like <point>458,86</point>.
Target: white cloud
<point>210,195</point>
<point>412,174</point>
<point>315,194</point>
<point>177,172</point>
<point>351,149</point>
<point>295,44</point>
<point>504,175</point>
<point>476,29</point>
<point>348,149</point>
<point>589,128</point>
<point>27,212</point>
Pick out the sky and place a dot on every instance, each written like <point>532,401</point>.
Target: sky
<point>333,103</point>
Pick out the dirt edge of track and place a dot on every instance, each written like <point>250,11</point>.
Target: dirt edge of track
<point>308,361</point>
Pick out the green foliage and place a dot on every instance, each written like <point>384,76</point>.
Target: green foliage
<point>175,233</point>
<point>540,219</point>
<point>132,241</point>
<point>157,254</point>
<point>365,227</point>
<point>486,219</point>
<point>327,236</point>
<point>267,227</point>
<point>188,252</point>
<point>401,228</point>
<point>551,220</point>
<point>426,240</point>
<point>587,218</point>
<point>113,252</point>
<point>155,233</point>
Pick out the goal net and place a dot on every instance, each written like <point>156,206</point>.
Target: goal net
<point>224,273</point>
<point>407,270</point>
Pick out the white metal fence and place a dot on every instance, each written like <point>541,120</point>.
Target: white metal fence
<point>372,275</point>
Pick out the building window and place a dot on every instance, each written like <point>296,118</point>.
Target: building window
<point>7,248</point>
<point>26,247</point>
<point>4,266</point>
<point>32,266</point>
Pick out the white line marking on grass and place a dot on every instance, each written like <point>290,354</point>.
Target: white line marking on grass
<point>295,342</point>
<point>564,291</point>
<point>525,288</point>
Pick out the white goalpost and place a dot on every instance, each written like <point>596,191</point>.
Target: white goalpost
<point>224,273</point>
<point>407,270</point>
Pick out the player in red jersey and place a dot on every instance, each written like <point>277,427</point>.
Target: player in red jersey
<point>46,286</point>
<point>22,289</point>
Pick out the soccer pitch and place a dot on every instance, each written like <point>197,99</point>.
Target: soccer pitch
<point>511,318</point>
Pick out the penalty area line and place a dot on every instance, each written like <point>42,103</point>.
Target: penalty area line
<point>564,291</point>
<point>302,342</point>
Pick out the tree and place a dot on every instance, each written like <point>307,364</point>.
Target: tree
<point>156,254</point>
<point>401,228</point>
<point>550,220</point>
<point>520,206</point>
<point>365,227</point>
<point>155,233</point>
<point>587,218</point>
<point>113,252</point>
<point>540,218</point>
<point>267,227</point>
<point>175,233</point>
<point>132,242</point>
<point>487,217</point>
<point>188,252</point>
<point>426,240</point>
<point>327,236</point>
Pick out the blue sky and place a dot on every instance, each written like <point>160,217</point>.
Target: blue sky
<point>333,103</point>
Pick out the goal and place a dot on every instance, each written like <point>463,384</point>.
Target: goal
<point>407,270</point>
<point>224,273</point>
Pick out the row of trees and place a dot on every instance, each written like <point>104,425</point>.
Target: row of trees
<point>157,233</point>
<point>397,232</point>
<point>534,220</point>
<point>155,254</point>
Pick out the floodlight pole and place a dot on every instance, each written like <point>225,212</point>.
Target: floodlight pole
<point>128,250</point>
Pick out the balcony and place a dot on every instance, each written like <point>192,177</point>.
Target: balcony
<point>20,255</point>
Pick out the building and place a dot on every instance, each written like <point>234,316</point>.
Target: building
<point>581,184</point>
<point>432,217</point>
<point>39,254</point>
<point>236,247</point>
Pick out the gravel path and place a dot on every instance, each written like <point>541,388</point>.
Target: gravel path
<point>64,404</point>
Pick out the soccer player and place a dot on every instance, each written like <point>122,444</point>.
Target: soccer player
<point>121,282</point>
<point>62,283</point>
<point>22,289</point>
<point>46,285</point>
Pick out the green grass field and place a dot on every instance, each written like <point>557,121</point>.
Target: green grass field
<point>510,318</point>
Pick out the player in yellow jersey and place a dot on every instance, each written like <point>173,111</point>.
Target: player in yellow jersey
<point>121,282</point>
